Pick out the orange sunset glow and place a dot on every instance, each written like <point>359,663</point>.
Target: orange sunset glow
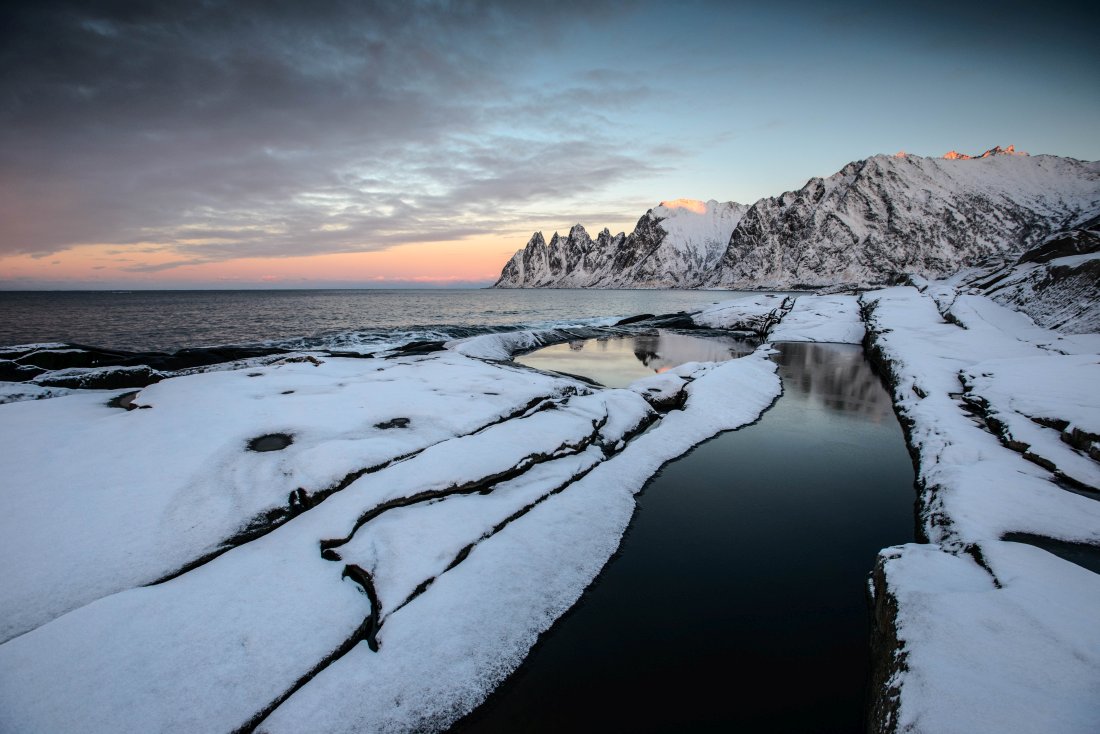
<point>433,263</point>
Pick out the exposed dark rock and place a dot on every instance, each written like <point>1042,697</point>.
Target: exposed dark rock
<point>887,654</point>
<point>301,358</point>
<point>11,371</point>
<point>662,402</point>
<point>125,401</point>
<point>680,320</point>
<point>77,355</point>
<point>418,347</point>
<point>349,355</point>
<point>633,319</point>
<point>271,442</point>
<point>59,359</point>
<point>1063,244</point>
<point>1082,554</point>
<point>393,423</point>
<point>107,378</point>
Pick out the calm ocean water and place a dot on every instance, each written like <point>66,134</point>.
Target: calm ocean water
<point>335,319</point>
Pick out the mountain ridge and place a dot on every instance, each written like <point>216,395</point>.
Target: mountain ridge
<point>866,224</point>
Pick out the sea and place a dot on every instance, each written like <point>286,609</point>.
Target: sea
<point>352,320</point>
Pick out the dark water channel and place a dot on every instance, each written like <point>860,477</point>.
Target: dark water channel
<point>737,601</point>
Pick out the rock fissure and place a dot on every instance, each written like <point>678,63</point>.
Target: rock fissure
<point>473,486</point>
<point>300,500</point>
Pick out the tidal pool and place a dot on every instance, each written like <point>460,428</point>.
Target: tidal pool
<point>620,360</point>
<point>737,600</point>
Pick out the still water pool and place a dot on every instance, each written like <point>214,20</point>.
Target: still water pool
<point>619,361</point>
<point>737,601</point>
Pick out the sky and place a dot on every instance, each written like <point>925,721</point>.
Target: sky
<point>209,144</point>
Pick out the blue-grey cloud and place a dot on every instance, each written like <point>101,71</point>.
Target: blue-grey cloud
<point>276,128</point>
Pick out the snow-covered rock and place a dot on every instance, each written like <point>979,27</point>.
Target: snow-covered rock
<point>674,245</point>
<point>99,499</point>
<point>1056,283</point>
<point>820,318</point>
<point>974,631</point>
<point>757,313</point>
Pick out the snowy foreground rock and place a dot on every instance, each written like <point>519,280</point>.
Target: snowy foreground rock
<point>384,570</point>
<point>986,628</point>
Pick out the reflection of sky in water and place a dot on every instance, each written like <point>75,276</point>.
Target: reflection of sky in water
<point>619,361</point>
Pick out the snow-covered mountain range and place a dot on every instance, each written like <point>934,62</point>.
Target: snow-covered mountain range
<point>866,224</point>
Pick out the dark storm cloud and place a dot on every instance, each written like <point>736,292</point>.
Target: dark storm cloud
<point>277,128</point>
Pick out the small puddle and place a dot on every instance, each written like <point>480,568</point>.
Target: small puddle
<point>620,360</point>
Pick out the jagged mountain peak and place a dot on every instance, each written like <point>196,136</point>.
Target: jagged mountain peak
<point>673,244</point>
<point>954,155</point>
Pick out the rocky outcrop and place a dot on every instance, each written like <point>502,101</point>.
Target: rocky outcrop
<point>1056,283</point>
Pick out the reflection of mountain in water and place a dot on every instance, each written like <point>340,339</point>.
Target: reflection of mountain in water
<point>837,375</point>
<point>616,361</point>
<point>663,350</point>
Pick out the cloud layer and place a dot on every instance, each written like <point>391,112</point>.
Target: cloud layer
<point>225,130</point>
